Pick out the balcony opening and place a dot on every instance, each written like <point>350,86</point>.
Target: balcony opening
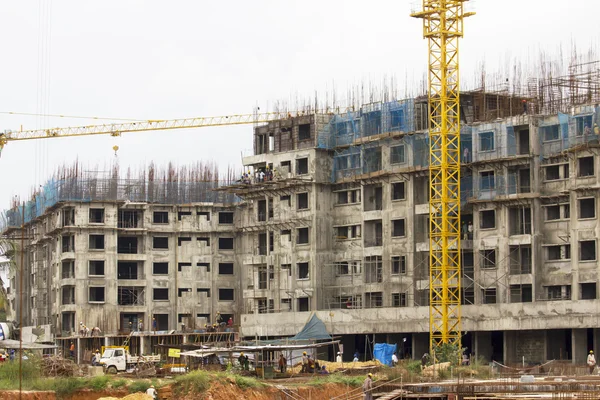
<point>225,268</point>
<point>523,142</point>
<point>398,228</point>
<point>160,294</point>
<point>587,250</point>
<point>225,243</point>
<point>68,243</point>
<point>226,294</point>
<point>586,166</point>
<point>68,269</point>
<point>204,214</point>
<point>302,166</point>
<point>225,218</point>
<point>160,217</point>
<point>68,295</point>
<point>398,192</point>
<point>373,299</point>
<point>96,242</point>
<point>520,259</point>
<point>96,215</point>
<point>519,220</point>
<point>588,291</point>
<point>587,208</point>
<point>160,243</point>
<point>303,270</point>
<point>304,132</point>
<point>373,266</point>
<point>487,219</point>
<point>96,268</point>
<point>303,304</point>
<point>181,292</point>
<point>262,210</point>
<point>398,265</point>
<point>302,236</point>
<point>302,201</point>
<point>558,252</point>
<point>127,245</point>
<point>127,270</point>
<point>399,300</point>
<point>373,233</point>
<point>68,216</point>
<point>96,294</point>
<point>488,295</point>
<point>520,293</point>
<point>129,219</point>
<point>160,268</point>
<point>131,296</point>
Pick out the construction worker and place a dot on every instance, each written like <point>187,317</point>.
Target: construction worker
<point>591,361</point>
<point>152,392</point>
<point>338,359</point>
<point>368,387</point>
<point>304,362</point>
<point>154,325</point>
<point>218,318</point>
<point>130,326</point>
<point>140,326</point>
<point>96,358</point>
<point>72,350</point>
<point>282,363</point>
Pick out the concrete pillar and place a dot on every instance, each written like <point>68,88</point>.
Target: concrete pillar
<point>78,350</point>
<point>510,347</point>
<point>106,344</point>
<point>142,340</point>
<point>420,345</point>
<point>483,345</point>
<point>579,345</point>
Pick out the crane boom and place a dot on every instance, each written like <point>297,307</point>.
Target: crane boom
<point>140,126</point>
<point>442,27</point>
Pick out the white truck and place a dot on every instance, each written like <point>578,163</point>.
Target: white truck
<point>118,359</point>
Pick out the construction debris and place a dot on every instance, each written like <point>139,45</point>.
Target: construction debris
<point>58,366</point>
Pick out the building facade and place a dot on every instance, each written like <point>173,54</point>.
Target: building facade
<point>334,221</point>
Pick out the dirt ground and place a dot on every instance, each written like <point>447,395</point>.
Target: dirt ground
<point>14,395</point>
<point>220,391</point>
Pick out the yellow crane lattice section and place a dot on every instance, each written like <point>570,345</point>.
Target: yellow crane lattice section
<point>442,27</point>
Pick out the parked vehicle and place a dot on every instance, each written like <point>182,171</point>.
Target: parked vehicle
<point>118,359</point>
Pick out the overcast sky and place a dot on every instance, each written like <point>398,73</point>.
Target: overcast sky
<point>170,59</point>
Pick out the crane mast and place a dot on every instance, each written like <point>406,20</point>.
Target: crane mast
<point>443,27</point>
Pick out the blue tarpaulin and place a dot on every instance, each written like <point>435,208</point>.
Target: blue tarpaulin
<point>313,330</point>
<point>383,353</point>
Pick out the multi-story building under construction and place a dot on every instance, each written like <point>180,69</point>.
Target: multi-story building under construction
<point>332,218</point>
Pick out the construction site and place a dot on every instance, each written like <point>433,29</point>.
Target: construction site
<point>426,241</point>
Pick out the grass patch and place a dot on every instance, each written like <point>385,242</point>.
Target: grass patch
<point>10,370</point>
<point>99,382</point>
<point>354,381</point>
<point>194,382</point>
<point>244,382</point>
<point>138,386</point>
<point>118,383</point>
<point>65,387</point>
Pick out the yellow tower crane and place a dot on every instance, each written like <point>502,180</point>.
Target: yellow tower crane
<point>116,129</point>
<point>442,27</point>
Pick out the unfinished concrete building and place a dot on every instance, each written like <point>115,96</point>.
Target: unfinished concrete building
<point>111,253</point>
<point>333,220</point>
<point>341,228</point>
